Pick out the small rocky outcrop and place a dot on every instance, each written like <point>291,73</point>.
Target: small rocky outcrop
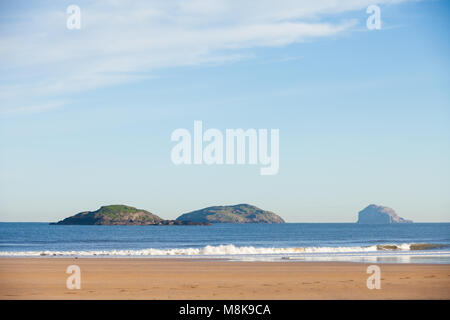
<point>241,213</point>
<point>113,215</point>
<point>374,214</point>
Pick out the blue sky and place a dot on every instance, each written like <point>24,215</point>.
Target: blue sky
<point>86,115</point>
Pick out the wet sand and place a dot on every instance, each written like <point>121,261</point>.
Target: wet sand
<point>121,278</point>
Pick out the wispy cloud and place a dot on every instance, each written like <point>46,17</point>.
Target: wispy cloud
<point>31,109</point>
<point>123,41</point>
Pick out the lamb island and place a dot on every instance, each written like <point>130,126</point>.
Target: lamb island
<point>240,213</point>
<point>123,215</point>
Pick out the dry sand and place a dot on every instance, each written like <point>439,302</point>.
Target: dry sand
<point>45,278</point>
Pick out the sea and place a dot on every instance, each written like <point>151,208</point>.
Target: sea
<point>341,242</point>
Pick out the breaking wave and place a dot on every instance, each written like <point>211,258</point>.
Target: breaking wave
<point>225,250</point>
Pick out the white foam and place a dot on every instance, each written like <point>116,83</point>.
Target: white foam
<point>220,250</point>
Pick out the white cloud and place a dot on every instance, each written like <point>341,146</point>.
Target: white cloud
<point>24,110</point>
<point>123,41</point>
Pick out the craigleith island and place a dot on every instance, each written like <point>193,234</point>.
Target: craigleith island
<point>126,215</point>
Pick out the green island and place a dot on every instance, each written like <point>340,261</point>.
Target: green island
<point>126,215</point>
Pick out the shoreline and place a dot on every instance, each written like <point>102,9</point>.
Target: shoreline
<point>187,278</point>
<point>221,259</point>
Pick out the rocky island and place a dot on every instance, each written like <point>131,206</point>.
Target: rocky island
<point>374,214</point>
<point>240,213</point>
<point>120,215</point>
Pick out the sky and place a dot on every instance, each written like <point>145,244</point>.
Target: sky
<point>86,115</point>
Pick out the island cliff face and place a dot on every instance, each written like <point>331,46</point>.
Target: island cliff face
<point>374,214</point>
<point>113,215</point>
<point>241,213</point>
<point>120,215</point>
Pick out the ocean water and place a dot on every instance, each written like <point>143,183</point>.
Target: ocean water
<point>402,243</point>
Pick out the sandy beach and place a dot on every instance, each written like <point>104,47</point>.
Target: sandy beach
<point>45,278</point>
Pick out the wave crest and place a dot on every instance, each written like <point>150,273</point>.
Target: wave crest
<point>230,249</point>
